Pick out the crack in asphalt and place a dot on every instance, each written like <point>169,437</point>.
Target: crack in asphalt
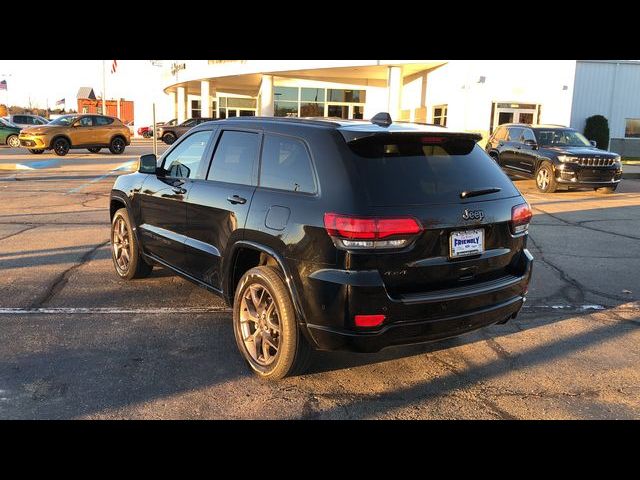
<point>62,279</point>
<point>580,225</point>
<point>579,287</point>
<point>30,227</point>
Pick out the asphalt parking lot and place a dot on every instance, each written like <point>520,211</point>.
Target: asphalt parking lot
<point>77,342</point>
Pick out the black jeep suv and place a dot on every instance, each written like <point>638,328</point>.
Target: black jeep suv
<point>555,156</point>
<point>329,234</point>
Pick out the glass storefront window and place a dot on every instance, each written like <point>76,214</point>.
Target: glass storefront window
<point>285,109</point>
<point>312,95</point>
<point>288,94</point>
<point>196,110</point>
<point>351,96</point>
<point>312,109</point>
<point>632,128</point>
<point>241,102</point>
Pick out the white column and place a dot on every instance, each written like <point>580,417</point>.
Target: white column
<point>181,100</point>
<point>266,96</point>
<point>394,88</point>
<point>174,107</point>
<point>205,98</point>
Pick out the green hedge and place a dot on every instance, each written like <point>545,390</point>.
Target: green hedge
<point>597,128</point>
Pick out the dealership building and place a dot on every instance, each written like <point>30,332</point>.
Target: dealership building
<point>470,95</point>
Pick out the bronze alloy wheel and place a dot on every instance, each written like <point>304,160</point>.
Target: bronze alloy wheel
<point>260,324</point>
<point>121,242</point>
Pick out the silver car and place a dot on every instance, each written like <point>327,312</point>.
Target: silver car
<point>27,120</point>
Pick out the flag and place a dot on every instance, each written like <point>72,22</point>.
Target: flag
<point>3,85</point>
<point>114,66</point>
<point>60,102</point>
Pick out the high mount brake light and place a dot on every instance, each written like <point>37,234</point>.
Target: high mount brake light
<point>520,218</point>
<point>370,233</point>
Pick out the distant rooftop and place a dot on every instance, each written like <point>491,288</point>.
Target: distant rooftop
<point>86,92</point>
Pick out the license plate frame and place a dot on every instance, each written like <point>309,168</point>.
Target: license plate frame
<point>455,254</point>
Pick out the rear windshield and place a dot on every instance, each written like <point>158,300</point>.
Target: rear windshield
<point>421,170</point>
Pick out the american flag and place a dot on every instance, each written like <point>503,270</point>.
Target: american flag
<point>3,85</point>
<point>114,66</point>
<point>60,102</point>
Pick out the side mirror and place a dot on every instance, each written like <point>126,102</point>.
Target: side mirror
<point>532,144</point>
<point>147,163</point>
<point>593,143</point>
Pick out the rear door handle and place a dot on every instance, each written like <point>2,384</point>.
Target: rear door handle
<point>236,199</point>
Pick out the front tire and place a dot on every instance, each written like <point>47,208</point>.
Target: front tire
<point>546,179</point>
<point>146,134</point>
<point>13,142</point>
<point>117,146</point>
<point>125,251</point>
<point>265,325</point>
<point>61,146</point>
<point>169,138</point>
<point>94,149</point>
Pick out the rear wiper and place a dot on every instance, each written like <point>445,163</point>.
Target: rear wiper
<point>480,191</point>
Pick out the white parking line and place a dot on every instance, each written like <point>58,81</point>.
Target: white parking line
<point>123,166</point>
<point>110,310</point>
<point>632,306</point>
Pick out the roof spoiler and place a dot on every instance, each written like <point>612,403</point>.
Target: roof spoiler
<point>355,136</point>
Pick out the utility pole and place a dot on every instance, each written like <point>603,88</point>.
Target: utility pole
<point>104,89</point>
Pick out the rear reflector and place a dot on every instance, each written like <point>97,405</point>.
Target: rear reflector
<point>520,218</point>
<point>369,320</point>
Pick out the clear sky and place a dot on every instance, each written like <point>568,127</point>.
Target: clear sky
<point>52,80</point>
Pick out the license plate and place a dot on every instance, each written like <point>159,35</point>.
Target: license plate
<point>465,243</point>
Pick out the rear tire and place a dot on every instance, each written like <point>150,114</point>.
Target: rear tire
<point>117,145</point>
<point>125,251</point>
<point>35,151</point>
<point>61,146</point>
<point>146,134</point>
<point>169,138</point>
<point>606,190</point>
<point>266,331</point>
<point>545,178</point>
<point>94,149</point>
<point>13,142</point>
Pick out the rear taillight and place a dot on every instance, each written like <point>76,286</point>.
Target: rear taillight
<point>371,233</point>
<point>520,218</point>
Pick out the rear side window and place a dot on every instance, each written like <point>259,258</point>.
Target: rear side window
<point>286,165</point>
<point>235,157</point>
<point>19,119</point>
<point>101,121</point>
<point>408,170</point>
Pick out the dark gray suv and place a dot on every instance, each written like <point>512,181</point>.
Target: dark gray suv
<point>555,157</point>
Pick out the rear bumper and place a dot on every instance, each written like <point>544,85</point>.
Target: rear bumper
<point>424,317</point>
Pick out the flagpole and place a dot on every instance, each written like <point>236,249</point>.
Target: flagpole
<point>104,92</point>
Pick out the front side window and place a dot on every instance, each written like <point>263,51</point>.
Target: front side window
<point>528,135</point>
<point>514,134</point>
<point>235,157</point>
<point>85,122</point>
<point>184,160</point>
<point>286,165</point>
